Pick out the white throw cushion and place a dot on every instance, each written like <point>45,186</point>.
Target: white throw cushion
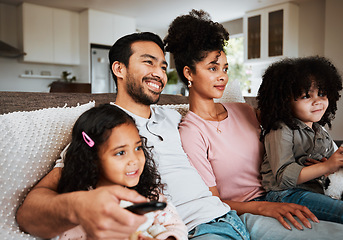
<point>232,93</point>
<point>181,108</point>
<point>30,142</point>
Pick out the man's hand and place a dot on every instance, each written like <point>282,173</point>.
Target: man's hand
<point>280,211</point>
<point>100,215</point>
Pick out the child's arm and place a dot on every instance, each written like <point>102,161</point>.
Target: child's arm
<point>280,169</point>
<point>322,168</point>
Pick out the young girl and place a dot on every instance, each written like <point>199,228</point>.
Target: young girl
<point>106,149</point>
<point>296,98</point>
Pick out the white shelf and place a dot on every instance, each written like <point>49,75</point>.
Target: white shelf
<point>39,76</point>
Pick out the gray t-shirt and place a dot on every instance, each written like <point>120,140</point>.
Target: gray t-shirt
<point>184,186</point>
<point>287,151</point>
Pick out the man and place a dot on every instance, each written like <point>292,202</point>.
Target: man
<point>139,69</point>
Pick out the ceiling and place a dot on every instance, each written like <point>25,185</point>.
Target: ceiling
<point>156,15</point>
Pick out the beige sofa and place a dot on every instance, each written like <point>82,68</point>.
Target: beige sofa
<point>35,128</point>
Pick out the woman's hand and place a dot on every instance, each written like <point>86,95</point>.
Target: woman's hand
<point>280,211</point>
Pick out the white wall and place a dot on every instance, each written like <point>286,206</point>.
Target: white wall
<point>11,69</point>
<point>311,28</point>
<point>334,51</point>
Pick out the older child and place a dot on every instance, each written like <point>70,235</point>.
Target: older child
<point>106,149</point>
<point>296,98</point>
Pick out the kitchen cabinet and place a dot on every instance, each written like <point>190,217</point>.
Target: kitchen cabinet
<point>106,28</point>
<point>271,33</point>
<point>49,35</point>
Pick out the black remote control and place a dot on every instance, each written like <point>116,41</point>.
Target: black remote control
<point>142,208</point>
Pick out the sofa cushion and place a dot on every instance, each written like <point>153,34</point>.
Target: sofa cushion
<point>30,142</point>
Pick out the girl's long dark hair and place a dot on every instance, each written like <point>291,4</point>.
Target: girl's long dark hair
<point>288,79</point>
<point>81,169</point>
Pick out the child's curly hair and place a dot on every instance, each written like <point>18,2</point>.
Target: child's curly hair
<point>190,38</point>
<point>81,169</point>
<point>287,80</point>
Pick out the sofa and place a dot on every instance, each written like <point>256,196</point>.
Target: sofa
<point>35,127</point>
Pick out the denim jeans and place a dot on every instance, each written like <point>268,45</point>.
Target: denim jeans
<point>324,207</point>
<point>229,226</point>
<point>267,228</point>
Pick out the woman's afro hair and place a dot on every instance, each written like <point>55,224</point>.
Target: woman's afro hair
<point>190,37</point>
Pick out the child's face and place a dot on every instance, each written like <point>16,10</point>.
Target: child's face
<point>310,107</point>
<point>121,157</point>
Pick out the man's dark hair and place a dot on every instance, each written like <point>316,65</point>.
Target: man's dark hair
<point>121,50</point>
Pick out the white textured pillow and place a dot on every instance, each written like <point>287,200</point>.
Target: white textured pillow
<point>181,108</point>
<point>232,93</point>
<point>30,142</point>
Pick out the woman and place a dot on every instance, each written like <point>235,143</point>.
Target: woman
<point>222,140</point>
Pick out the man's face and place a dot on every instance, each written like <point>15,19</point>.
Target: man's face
<point>146,72</point>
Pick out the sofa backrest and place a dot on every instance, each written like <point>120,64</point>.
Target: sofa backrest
<point>28,101</point>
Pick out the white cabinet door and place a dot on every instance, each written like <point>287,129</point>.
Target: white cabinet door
<point>66,37</point>
<point>49,35</point>
<point>122,26</point>
<point>100,27</point>
<point>106,28</point>
<point>37,33</point>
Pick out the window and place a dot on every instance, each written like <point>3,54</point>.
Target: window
<point>238,70</point>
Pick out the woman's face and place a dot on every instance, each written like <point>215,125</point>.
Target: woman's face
<point>211,76</point>
<point>121,157</point>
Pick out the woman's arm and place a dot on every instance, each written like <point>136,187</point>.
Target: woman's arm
<point>279,211</point>
<point>46,214</point>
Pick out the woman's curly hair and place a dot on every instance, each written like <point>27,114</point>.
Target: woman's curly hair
<point>191,37</point>
<point>82,165</point>
<point>287,80</point>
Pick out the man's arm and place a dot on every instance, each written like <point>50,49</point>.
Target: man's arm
<point>46,214</point>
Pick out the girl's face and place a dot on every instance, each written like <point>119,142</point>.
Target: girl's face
<point>310,107</point>
<point>211,77</point>
<point>121,157</point>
